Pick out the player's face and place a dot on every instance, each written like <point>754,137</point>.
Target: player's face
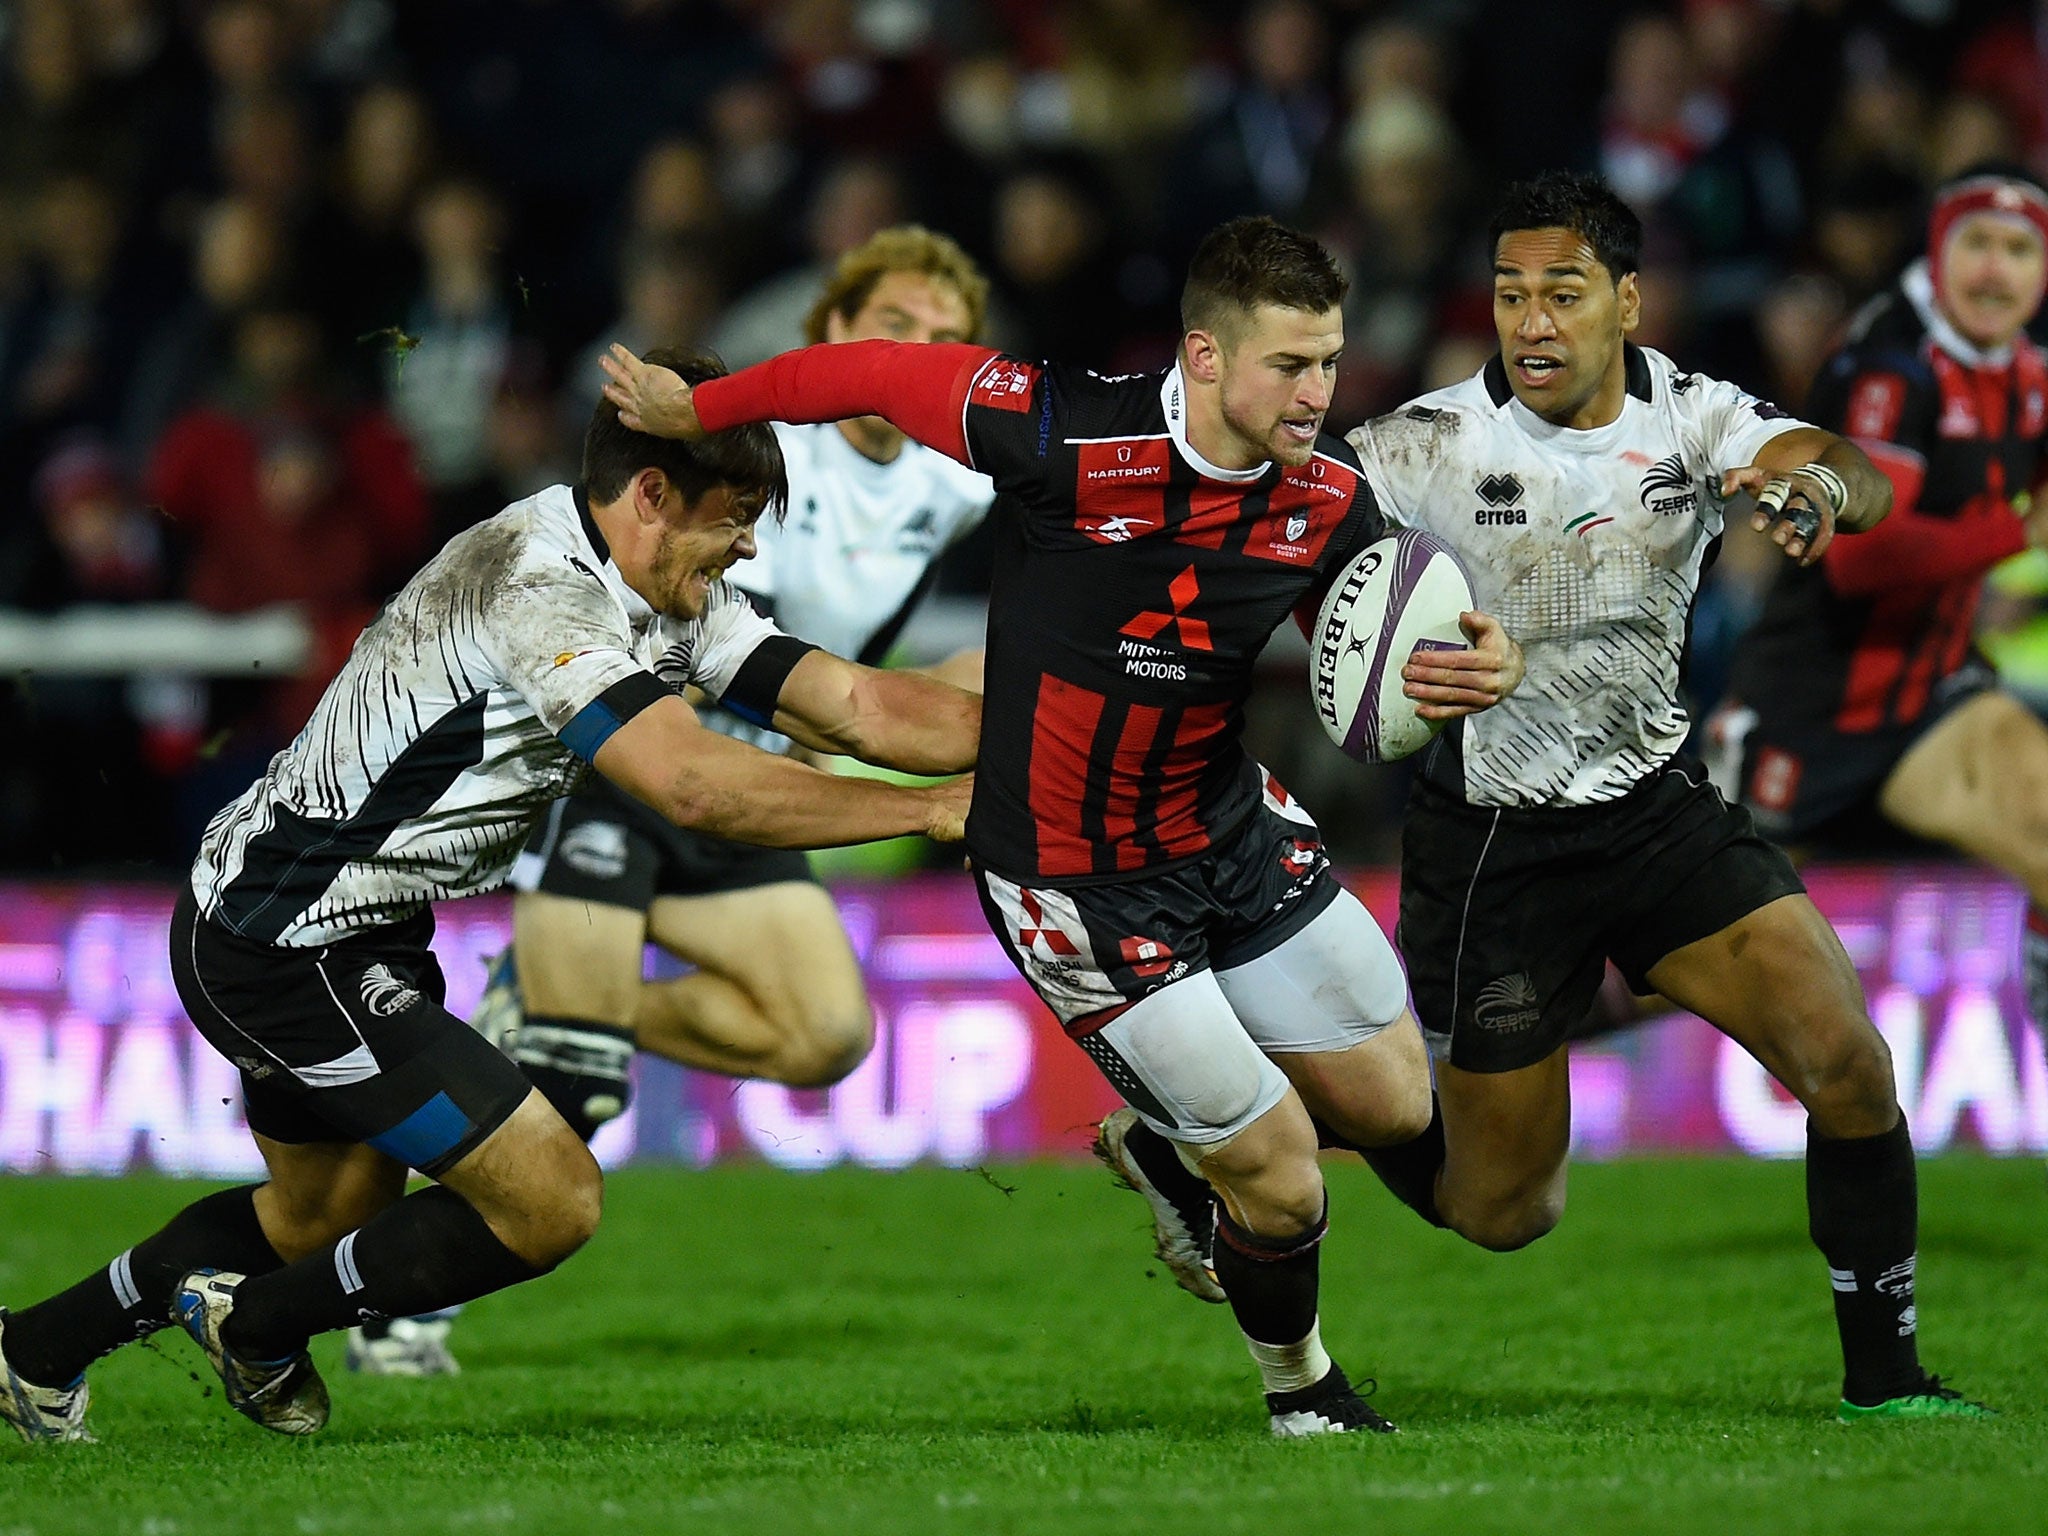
<point>696,545</point>
<point>905,306</point>
<point>1274,381</point>
<point>1561,318</point>
<point>1993,270</point>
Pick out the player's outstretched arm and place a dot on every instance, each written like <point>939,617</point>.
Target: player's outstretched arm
<point>904,720</point>
<point>919,388</point>
<point>1808,484</point>
<point>710,783</point>
<point>1447,684</point>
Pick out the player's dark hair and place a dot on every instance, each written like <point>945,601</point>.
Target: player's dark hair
<point>747,459</point>
<point>1249,262</point>
<point>1583,204</point>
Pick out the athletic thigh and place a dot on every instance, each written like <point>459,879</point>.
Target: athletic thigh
<point>1181,1058</point>
<point>578,958</point>
<point>318,1191</point>
<point>783,944</point>
<point>1978,781</point>
<point>1779,982</point>
<point>1506,1136</point>
<point>1330,1005</point>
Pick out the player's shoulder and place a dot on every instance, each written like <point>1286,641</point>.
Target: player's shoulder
<point>1105,404</point>
<point>1429,430</point>
<point>1888,335</point>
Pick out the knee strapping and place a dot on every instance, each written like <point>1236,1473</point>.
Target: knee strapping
<point>581,1067</point>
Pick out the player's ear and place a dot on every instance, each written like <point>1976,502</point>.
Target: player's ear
<point>650,490</point>
<point>1201,356</point>
<point>1628,296</point>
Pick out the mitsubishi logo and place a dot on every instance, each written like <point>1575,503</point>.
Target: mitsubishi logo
<point>1500,490</point>
<point>1035,931</point>
<point>1181,593</point>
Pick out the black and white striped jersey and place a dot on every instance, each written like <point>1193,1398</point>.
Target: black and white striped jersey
<point>480,694</point>
<point>1587,546</point>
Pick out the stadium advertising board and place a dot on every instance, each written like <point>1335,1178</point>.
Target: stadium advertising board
<point>100,1072</point>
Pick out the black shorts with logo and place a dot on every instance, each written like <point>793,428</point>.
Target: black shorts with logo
<point>1806,781</point>
<point>348,1042</point>
<point>1508,916</point>
<point>602,845</point>
<point>1091,950</point>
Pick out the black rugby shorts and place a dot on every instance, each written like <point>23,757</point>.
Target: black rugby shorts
<point>1508,916</point>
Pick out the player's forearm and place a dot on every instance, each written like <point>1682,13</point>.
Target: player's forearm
<point>918,389</point>
<point>1870,489</point>
<point>750,796</point>
<point>901,720</point>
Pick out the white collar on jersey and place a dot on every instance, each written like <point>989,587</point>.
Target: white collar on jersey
<point>1918,285</point>
<point>1173,401</point>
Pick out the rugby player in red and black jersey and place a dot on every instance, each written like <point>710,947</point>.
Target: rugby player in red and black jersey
<point>1862,701</point>
<point>1164,895</point>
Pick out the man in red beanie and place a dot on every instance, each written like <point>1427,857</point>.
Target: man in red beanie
<point>1862,699</point>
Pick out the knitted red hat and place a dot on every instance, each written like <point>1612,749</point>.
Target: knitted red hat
<point>1983,193</point>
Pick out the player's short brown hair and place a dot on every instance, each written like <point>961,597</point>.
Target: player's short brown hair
<point>1248,262</point>
<point>903,248</point>
<point>747,459</point>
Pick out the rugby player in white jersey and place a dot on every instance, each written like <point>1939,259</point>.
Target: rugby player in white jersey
<point>553,639</point>
<point>775,991</point>
<point>1580,479</point>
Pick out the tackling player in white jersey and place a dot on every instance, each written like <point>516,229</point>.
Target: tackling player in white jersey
<point>1581,481</point>
<point>553,639</point>
<point>775,991</point>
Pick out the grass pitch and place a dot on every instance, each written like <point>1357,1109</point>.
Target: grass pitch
<point>935,1352</point>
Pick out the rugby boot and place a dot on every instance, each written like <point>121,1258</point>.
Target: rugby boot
<point>405,1346</point>
<point>1330,1407</point>
<point>41,1413</point>
<point>1183,1223</point>
<point>286,1395</point>
<point>1930,1400</point>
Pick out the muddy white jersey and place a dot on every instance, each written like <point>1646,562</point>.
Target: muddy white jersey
<point>1587,546</point>
<point>859,549</point>
<point>481,693</point>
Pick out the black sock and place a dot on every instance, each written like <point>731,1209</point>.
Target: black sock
<point>52,1341</point>
<point>1862,1204</point>
<point>1408,1168</point>
<point>1160,1161</point>
<point>430,1250</point>
<point>580,1066</point>
<point>1271,1282</point>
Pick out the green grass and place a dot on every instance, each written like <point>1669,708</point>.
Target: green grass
<point>751,1351</point>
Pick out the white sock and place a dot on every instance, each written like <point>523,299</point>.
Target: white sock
<point>1290,1367</point>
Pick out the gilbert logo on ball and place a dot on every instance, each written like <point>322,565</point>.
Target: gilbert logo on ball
<point>1400,595</point>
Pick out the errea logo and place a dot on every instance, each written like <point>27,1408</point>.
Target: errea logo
<point>1499,492</point>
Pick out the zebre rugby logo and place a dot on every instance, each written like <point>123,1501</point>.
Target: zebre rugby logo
<point>384,994</point>
<point>1668,490</point>
<point>1507,1005</point>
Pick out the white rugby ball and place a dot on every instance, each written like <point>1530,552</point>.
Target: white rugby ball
<point>1401,594</point>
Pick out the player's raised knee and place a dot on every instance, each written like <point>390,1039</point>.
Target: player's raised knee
<point>828,1049</point>
<point>1505,1225</point>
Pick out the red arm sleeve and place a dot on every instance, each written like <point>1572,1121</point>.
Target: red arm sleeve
<point>1912,549</point>
<point>919,388</point>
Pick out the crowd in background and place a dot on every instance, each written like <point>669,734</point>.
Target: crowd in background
<point>293,290</point>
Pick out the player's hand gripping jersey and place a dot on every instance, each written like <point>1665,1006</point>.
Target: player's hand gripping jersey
<point>1587,546</point>
<point>1864,640</point>
<point>480,694</point>
<point>1135,586</point>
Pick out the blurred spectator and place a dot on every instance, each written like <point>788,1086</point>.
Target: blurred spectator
<point>387,152</point>
<point>1865,225</point>
<point>1967,130</point>
<point>456,339</point>
<point>1115,78</point>
<point>526,449</point>
<point>668,297</point>
<point>1799,323</point>
<point>2008,62</point>
<point>854,200</point>
<point>1661,112</point>
<point>49,120</point>
<point>106,548</point>
<point>79,331</point>
<point>1254,152</point>
<point>1404,230</point>
<point>1053,273</point>
<point>237,259</point>
<point>859,72</point>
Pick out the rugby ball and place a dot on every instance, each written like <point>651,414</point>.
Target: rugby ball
<point>1400,595</point>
